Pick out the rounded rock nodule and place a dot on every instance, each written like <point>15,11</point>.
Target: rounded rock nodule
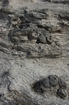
<point>62,84</point>
<point>61,93</point>
<point>53,79</point>
<point>41,39</point>
<point>38,87</point>
<point>45,83</point>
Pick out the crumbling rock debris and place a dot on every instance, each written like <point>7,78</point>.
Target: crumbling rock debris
<point>32,32</point>
<point>23,31</point>
<point>44,37</point>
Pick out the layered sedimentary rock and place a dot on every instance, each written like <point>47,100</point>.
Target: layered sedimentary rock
<point>34,45</point>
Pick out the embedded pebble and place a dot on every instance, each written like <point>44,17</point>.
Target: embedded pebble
<point>45,83</point>
<point>53,79</point>
<point>62,84</point>
<point>38,87</point>
<point>42,85</point>
<point>62,93</point>
<point>41,39</point>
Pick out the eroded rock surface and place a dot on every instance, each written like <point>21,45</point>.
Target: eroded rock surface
<point>34,47</point>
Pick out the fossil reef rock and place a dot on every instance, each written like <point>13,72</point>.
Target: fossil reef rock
<point>34,52</point>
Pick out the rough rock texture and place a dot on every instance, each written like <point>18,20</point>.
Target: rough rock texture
<point>51,82</point>
<point>34,46</point>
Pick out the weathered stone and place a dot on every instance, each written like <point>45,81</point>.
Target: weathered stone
<point>5,50</point>
<point>45,83</point>
<point>28,61</point>
<point>61,93</point>
<point>6,103</point>
<point>38,87</point>
<point>62,84</point>
<point>60,1</point>
<point>44,37</point>
<point>41,39</point>
<point>36,14</point>
<point>53,80</point>
<point>47,35</point>
<point>33,31</point>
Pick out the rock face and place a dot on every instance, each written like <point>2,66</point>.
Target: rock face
<point>20,3</point>
<point>34,53</point>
